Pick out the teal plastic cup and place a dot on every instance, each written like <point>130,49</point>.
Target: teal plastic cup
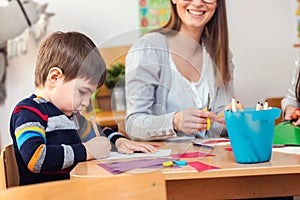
<point>251,134</point>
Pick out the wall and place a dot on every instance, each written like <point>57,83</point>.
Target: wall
<point>262,34</point>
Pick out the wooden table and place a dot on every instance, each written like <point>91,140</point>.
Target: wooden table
<point>278,177</point>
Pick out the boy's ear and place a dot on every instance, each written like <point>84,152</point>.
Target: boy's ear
<point>54,74</point>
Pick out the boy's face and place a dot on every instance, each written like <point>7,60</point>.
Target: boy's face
<point>73,95</point>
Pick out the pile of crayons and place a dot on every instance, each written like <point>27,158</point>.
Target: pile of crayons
<point>237,106</point>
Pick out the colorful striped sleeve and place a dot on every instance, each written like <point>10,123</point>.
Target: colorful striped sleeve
<point>25,133</point>
<point>40,156</point>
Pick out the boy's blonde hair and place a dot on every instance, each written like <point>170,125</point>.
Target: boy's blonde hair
<point>75,54</point>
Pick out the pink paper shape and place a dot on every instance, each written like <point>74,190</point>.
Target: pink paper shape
<point>201,166</point>
<point>216,141</point>
<point>191,155</point>
<point>228,148</point>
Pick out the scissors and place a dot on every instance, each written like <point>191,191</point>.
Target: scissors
<point>208,109</point>
<point>295,117</point>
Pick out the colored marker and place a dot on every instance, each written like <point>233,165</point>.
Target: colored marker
<point>258,106</point>
<point>180,162</point>
<point>266,105</point>
<point>167,164</point>
<point>202,145</point>
<point>239,106</point>
<point>233,105</point>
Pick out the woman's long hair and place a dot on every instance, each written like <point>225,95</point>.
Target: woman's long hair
<point>215,36</point>
<point>297,88</point>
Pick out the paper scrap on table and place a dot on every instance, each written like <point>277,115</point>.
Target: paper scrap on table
<point>201,166</point>
<point>159,153</point>
<point>120,167</point>
<point>292,150</point>
<point>212,142</point>
<point>191,155</point>
<point>228,148</point>
<point>186,138</point>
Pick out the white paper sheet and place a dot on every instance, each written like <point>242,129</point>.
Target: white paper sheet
<point>292,150</point>
<point>159,153</point>
<point>212,141</point>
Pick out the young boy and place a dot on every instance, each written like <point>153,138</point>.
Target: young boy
<point>45,127</point>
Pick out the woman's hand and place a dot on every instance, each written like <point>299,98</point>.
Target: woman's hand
<point>191,121</point>
<point>291,112</point>
<point>127,146</point>
<point>220,117</point>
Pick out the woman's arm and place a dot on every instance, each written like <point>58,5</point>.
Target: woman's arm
<point>146,92</point>
<point>290,98</point>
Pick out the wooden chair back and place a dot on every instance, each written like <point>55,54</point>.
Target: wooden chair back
<point>275,102</point>
<point>110,55</point>
<point>128,186</point>
<point>8,168</point>
<point>113,54</point>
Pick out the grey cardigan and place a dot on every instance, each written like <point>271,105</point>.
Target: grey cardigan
<point>290,97</point>
<point>148,79</point>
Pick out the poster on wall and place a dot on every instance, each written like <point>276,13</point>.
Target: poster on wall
<point>153,14</point>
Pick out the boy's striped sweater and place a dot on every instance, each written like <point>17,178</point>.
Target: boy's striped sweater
<point>47,142</point>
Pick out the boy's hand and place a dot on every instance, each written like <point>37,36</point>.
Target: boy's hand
<point>98,147</point>
<point>127,146</point>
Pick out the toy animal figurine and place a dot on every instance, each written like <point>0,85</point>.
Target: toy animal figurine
<point>18,20</point>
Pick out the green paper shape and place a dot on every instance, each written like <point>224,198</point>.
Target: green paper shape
<point>286,133</point>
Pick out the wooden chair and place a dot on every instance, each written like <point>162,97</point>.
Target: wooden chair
<point>110,55</point>
<point>113,54</point>
<point>9,173</point>
<point>128,186</point>
<point>275,102</point>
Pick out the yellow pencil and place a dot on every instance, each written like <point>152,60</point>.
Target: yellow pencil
<point>94,124</point>
<point>219,115</point>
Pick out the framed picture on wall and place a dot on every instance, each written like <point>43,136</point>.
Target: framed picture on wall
<point>153,14</point>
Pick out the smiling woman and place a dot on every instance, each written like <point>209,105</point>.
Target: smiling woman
<point>171,71</point>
